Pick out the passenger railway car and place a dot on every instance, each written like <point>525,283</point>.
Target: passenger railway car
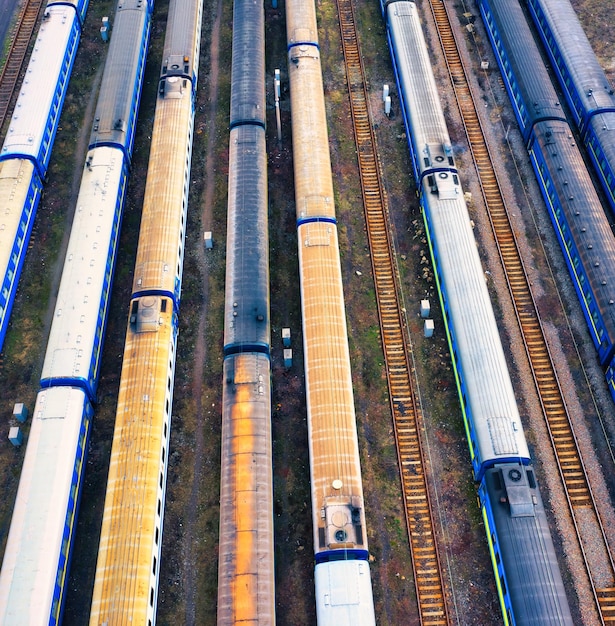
<point>26,150</point>
<point>589,94</point>
<point>38,550</point>
<point>246,588</point>
<point>578,217</point>
<point>528,578</point>
<point>342,573</point>
<point>128,567</point>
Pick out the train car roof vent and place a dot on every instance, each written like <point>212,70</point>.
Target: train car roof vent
<point>172,88</point>
<point>147,314</point>
<point>518,492</point>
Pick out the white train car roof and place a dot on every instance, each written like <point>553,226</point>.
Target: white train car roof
<point>28,575</point>
<point>30,117</point>
<point>414,67</point>
<point>344,594</point>
<point>75,318</point>
<point>477,341</point>
<point>489,391</point>
<point>15,179</point>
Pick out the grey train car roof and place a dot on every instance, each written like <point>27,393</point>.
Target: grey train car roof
<point>247,260</point>
<point>248,94</point>
<point>535,586</point>
<point>115,102</point>
<point>536,88</point>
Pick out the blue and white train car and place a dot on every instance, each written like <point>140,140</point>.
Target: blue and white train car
<point>25,154</point>
<point>576,212</point>
<point>37,556</point>
<point>488,400</point>
<point>588,92</point>
<point>528,579</point>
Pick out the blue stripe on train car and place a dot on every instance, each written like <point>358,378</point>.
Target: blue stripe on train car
<point>8,289</point>
<point>246,348</point>
<point>81,7</point>
<point>161,293</point>
<point>38,168</point>
<point>311,220</point>
<point>105,295</point>
<point>496,561</point>
<point>602,165</point>
<point>341,555</point>
<point>302,43</point>
<point>610,378</point>
<point>57,608</point>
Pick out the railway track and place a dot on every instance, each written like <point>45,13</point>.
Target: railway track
<point>578,490</point>
<point>17,53</point>
<point>429,585</point>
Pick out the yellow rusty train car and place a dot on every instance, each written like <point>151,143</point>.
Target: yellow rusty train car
<point>246,591</point>
<point>342,576</point>
<point>126,583</point>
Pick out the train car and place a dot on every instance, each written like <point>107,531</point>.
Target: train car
<point>75,340</point>
<point>246,586</point>
<point>526,571</point>
<point>576,212</point>
<point>34,572</point>
<point>36,561</point>
<point>26,150</point>
<point>128,566</point>
<point>517,528</point>
<point>342,573</point>
<point>589,94</point>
